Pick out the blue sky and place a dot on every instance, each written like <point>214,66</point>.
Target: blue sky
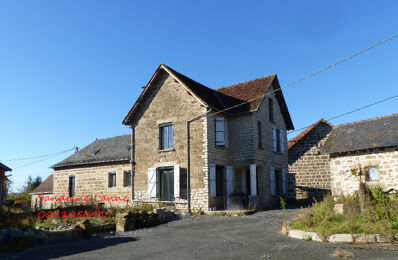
<point>70,70</point>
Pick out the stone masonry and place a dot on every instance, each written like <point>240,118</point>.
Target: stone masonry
<point>343,182</point>
<point>309,169</point>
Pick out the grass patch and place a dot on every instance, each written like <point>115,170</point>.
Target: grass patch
<point>380,216</point>
<point>341,253</point>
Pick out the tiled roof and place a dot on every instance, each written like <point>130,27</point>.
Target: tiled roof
<point>367,134</point>
<point>301,135</point>
<point>225,97</point>
<point>5,168</point>
<point>100,151</point>
<point>46,186</point>
<point>249,90</point>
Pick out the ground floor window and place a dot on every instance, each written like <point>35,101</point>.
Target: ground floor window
<point>71,186</point>
<point>166,184</point>
<point>126,178</point>
<point>112,179</point>
<point>220,180</point>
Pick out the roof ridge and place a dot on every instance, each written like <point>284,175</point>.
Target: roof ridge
<point>367,120</point>
<point>99,139</point>
<point>250,80</point>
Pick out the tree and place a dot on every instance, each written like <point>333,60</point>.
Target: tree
<point>31,184</point>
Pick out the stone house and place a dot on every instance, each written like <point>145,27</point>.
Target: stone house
<point>102,168</point>
<point>237,157</point>
<point>3,182</point>
<point>309,170</point>
<point>44,189</point>
<point>372,142</point>
<point>237,153</point>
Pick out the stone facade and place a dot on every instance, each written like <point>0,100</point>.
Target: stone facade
<point>309,169</point>
<point>93,180</point>
<point>343,182</point>
<point>157,110</point>
<point>36,205</point>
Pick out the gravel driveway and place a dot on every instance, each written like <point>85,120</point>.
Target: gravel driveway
<point>205,237</point>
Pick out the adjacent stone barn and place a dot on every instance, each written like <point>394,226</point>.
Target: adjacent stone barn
<point>41,191</point>
<point>309,170</point>
<point>101,169</point>
<point>238,157</point>
<point>372,142</point>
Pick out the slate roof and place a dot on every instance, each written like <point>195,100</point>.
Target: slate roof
<point>4,167</point>
<point>225,97</point>
<point>301,135</point>
<point>109,150</point>
<point>46,186</point>
<point>368,134</point>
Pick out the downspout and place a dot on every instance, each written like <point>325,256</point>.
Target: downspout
<point>132,142</point>
<point>189,156</point>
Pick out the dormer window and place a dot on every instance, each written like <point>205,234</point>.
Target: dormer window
<point>94,152</point>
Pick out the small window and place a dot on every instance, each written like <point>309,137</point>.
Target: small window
<point>259,134</point>
<point>126,178</point>
<point>94,152</point>
<point>271,109</point>
<point>71,186</point>
<point>112,179</point>
<point>127,147</point>
<point>373,174</point>
<point>165,136</point>
<point>220,131</point>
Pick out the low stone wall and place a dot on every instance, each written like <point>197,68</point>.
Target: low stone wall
<point>134,220</point>
<point>338,238</point>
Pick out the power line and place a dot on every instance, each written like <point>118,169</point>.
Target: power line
<point>42,159</point>
<point>311,74</point>
<point>35,157</point>
<point>347,113</point>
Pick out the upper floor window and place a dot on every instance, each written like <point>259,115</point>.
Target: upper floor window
<point>126,178</point>
<point>112,179</point>
<point>260,134</point>
<point>278,140</point>
<point>71,188</point>
<point>221,132</point>
<point>165,136</point>
<point>271,109</point>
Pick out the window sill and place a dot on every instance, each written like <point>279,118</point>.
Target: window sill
<point>260,148</point>
<point>166,150</point>
<point>280,153</point>
<point>271,121</point>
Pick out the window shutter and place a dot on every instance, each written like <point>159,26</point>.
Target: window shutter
<point>275,139</point>
<point>230,179</point>
<point>152,182</point>
<point>220,131</point>
<point>253,180</point>
<point>212,172</point>
<point>284,184</point>
<point>282,142</point>
<point>176,181</point>
<point>226,132</point>
<point>272,178</point>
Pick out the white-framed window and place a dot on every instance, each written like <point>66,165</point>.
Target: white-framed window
<point>221,130</point>
<point>374,174</point>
